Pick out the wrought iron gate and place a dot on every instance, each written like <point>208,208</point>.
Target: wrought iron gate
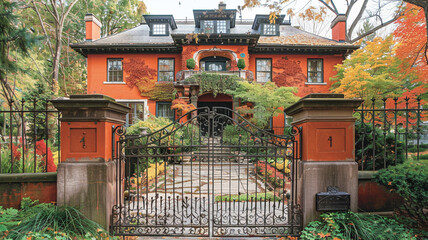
<point>210,173</point>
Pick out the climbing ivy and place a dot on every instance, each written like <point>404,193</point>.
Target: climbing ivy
<point>161,92</point>
<point>215,83</point>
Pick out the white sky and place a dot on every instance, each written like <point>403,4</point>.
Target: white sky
<point>181,9</point>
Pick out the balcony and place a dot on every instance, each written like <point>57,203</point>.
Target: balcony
<point>183,75</point>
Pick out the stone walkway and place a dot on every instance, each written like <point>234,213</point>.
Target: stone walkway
<point>201,179</point>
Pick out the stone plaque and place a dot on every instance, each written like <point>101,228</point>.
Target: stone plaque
<point>333,200</point>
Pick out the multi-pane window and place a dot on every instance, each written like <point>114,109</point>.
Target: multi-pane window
<point>263,70</point>
<point>136,112</point>
<point>269,29</point>
<point>215,26</point>
<point>159,29</point>
<point>166,70</point>
<point>221,26</point>
<point>114,70</point>
<point>164,110</point>
<point>209,26</point>
<point>315,71</point>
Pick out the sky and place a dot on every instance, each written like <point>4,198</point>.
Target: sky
<point>181,9</point>
<point>184,8</point>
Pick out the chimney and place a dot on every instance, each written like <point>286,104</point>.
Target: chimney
<point>221,6</point>
<point>93,27</point>
<point>338,28</point>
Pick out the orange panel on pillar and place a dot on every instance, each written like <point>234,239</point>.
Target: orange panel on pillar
<point>86,126</point>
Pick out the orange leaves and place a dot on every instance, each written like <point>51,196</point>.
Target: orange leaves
<point>182,106</point>
<point>139,75</point>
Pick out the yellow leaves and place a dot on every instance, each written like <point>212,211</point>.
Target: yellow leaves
<point>154,170</point>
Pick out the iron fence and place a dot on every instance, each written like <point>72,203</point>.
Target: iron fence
<point>29,137</point>
<point>389,131</point>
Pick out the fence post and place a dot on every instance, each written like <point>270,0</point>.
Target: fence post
<point>328,149</point>
<point>86,173</point>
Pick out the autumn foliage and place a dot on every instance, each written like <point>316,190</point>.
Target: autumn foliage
<point>182,106</point>
<point>139,75</point>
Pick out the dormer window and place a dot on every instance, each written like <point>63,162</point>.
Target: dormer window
<point>159,29</point>
<point>160,25</point>
<point>215,26</point>
<point>263,25</point>
<point>270,30</point>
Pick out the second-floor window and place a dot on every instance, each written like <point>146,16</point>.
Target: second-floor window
<point>114,70</point>
<point>166,70</point>
<point>315,71</point>
<point>264,70</point>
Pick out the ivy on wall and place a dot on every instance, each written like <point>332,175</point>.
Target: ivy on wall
<point>139,75</point>
<point>161,92</point>
<point>289,73</point>
<point>215,83</point>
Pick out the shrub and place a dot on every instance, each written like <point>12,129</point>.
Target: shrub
<point>241,63</point>
<point>190,63</point>
<point>349,225</point>
<point>410,181</point>
<point>384,148</point>
<point>423,157</point>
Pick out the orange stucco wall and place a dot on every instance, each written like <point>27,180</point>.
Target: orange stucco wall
<point>97,71</point>
<point>97,74</point>
<point>301,60</point>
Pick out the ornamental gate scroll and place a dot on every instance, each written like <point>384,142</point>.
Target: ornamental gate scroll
<point>210,173</point>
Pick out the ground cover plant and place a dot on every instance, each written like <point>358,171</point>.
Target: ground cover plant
<point>47,221</point>
<point>349,225</point>
<point>410,181</point>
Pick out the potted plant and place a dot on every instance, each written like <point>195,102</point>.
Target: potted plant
<point>241,63</point>
<point>190,63</point>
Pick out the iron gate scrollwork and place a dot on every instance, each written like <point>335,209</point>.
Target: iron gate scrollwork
<point>210,173</point>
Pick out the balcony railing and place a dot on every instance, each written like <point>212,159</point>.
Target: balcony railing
<point>184,74</point>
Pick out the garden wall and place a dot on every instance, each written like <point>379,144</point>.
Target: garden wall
<point>37,186</point>
<point>373,197</point>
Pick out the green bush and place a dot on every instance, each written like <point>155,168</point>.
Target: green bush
<point>351,225</point>
<point>385,146</point>
<point>423,157</point>
<point>190,63</point>
<point>410,181</point>
<point>241,63</point>
<point>414,148</point>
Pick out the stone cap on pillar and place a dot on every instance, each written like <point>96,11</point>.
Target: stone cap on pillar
<point>323,107</point>
<point>89,108</point>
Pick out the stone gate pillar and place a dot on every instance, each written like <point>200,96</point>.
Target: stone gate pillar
<point>86,174</point>
<point>328,149</point>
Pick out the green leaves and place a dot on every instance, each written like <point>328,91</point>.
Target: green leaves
<point>268,99</point>
<point>410,181</point>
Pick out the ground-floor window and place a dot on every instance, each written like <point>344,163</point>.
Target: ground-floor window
<point>136,113</point>
<point>163,109</point>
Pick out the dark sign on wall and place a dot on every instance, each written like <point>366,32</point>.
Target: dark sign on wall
<point>333,200</point>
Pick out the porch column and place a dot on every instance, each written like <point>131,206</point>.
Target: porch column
<point>327,148</point>
<point>87,172</point>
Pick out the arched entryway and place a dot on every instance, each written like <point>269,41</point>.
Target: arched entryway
<point>221,100</point>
